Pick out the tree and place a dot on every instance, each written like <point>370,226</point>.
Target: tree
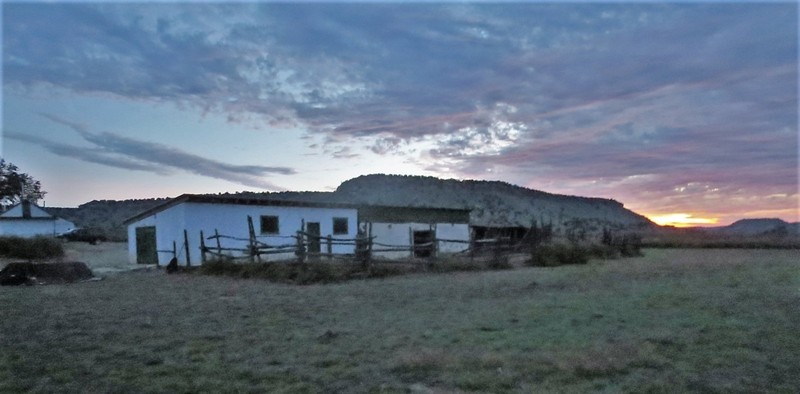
<point>16,186</point>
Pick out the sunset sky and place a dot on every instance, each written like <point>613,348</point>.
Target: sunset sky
<point>688,110</point>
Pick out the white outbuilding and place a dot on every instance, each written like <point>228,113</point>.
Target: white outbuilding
<point>230,225</point>
<point>27,219</point>
<point>174,228</point>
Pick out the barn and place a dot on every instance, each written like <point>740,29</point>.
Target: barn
<point>181,227</point>
<point>27,219</point>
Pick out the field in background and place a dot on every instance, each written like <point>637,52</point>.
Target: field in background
<point>105,257</point>
<point>674,320</point>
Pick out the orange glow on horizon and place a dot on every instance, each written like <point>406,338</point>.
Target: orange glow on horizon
<point>681,220</point>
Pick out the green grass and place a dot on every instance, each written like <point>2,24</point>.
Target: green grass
<point>672,321</point>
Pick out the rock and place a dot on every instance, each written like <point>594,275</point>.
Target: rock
<point>16,274</point>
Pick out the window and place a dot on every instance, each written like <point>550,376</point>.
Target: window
<point>269,225</point>
<point>340,226</point>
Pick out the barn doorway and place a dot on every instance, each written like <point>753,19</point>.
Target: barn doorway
<point>312,228</point>
<point>423,243</point>
<point>146,252</point>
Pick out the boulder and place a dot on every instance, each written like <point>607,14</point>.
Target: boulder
<point>15,274</point>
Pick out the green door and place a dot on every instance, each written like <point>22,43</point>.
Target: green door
<point>312,228</point>
<point>146,252</point>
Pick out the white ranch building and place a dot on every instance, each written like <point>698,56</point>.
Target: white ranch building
<point>27,219</point>
<point>153,235</point>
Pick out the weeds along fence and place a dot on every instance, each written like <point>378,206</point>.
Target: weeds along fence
<point>304,246</point>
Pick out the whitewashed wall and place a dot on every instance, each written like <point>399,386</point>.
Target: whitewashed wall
<point>32,227</point>
<point>455,231</point>
<point>231,220</point>
<point>398,234</point>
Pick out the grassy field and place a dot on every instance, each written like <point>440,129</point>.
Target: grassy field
<point>672,321</point>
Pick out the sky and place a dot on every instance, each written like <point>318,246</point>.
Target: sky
<point>685,112</point>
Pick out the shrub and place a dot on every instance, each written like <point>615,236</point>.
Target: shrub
<point>607,252</point>
<point>309,273</point>
<point>543,256</point>
<point>220,267</point>
<point>551,255</point>
<point>36,248</point>
<point>572,254</point>
<point>499,263</point>
<point>631,245</point>
<point>384,271</point>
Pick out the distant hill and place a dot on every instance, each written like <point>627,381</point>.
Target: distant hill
<point>106,216</point>
<point>745,233</point>
<point>751,227</point>
<point>495,204</point>
<point>492,203</point>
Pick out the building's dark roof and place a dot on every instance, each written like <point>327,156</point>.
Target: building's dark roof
<point>223,199</point>
<point>382,214</point>
<point>366,212</point>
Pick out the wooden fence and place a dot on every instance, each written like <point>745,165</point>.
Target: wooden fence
<point>299,245</point>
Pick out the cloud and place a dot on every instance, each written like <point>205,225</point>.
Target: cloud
<point>123,152</point>
<point>92,155</point>
<point>409,71</point>
<point>600,93</point>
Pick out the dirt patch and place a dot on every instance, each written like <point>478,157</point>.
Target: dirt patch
<point>15,274</point>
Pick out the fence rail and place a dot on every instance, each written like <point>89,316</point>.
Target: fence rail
<point>307,246</point>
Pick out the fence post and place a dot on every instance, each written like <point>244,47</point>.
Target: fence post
<point>330,247</point>
<point>434,242</point>
<point>219,246</point>
<point>301,248</point>
<point>186,246</point>
<point>202,248</point>
<point>411,240</point>
<point>252,243</point>
<point>369,247</point>
<point>174,250</point>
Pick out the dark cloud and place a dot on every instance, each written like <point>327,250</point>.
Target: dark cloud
<point>681,93</point>
<point>370,69</point>
<point>158,158</point>
<point>92,155</point>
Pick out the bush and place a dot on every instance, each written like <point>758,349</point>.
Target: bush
<point>310,273</point>
<point>552,255</point>
<point>36,248</point>
<point>221,268</point>
<point>572,254</point>
<point>385,271</point>
<point>499,263</point>
<point>606,252</point>
<point>625,245</point>
<point>631,246</point>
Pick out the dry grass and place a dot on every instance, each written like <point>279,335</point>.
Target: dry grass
<point>105,257</point>
<point>675,320</point>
